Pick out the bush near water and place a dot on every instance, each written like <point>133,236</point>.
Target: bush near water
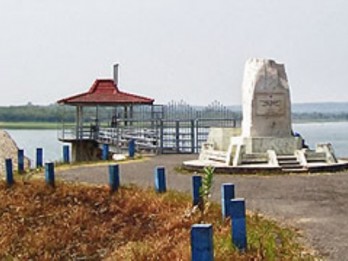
<point>74,221</point>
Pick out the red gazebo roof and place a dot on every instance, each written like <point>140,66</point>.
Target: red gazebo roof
<point>105,92</point>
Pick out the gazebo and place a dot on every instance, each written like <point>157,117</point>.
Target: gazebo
<point>85,138</point>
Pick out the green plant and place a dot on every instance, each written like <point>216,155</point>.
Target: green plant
<point>205,190</point>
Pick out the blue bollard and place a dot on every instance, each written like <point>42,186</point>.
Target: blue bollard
<point>66,154</point>
<point>39,157</point>
<point>105,152</point>
<point>131,148</point>
<point>49,173</point>
<point>238,230</point>
<point>196,186</point>
<point>114,178</point>
<point>202,242</point>
<point>160,180</point>
<point>20,161</point>
<point>227,193</point>
<point>9,172</point>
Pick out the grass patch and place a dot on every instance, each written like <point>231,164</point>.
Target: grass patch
<point>29,125</point>
<point>75,221</point>
<point>245,172</point>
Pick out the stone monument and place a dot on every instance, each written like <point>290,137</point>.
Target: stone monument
<point>266,100</point>
<point>266,121</point>
<point>266,140</point>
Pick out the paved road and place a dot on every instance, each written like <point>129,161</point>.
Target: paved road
<point>316,204</point>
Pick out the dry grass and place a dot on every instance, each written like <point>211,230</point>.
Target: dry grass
<point>87,223</point>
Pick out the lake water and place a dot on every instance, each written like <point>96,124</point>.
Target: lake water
<point>29,140</point>
<point>334,132</point>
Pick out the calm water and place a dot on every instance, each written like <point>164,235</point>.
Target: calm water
<point>334,132</point>
<point>29,140</point>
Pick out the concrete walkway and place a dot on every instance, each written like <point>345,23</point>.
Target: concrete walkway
<point>316,204</point>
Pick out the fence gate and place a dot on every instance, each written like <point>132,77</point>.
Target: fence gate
<point>187,136</point>
<point>177,136</point>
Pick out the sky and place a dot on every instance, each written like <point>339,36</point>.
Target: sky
<point>191,50</point>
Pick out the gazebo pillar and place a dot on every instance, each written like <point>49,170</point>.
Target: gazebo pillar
<point>152,117</point>
<point>131,114</point>
<point>79,122</point>
<point>125,115</point>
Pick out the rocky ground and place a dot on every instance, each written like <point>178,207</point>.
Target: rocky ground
<point>8,149</point>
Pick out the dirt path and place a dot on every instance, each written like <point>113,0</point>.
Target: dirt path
<point>316,204</point>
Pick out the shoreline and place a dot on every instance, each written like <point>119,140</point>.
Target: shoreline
<point>57,126</point>
<point>30,125</point>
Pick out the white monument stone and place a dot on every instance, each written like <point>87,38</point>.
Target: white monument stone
<point>266,100</point>
<point>267,109</point>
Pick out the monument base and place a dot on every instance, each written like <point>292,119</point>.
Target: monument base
<point>281,146</point>
<point>220,137</point>
<point>198,165</point>
<point>244,154</point>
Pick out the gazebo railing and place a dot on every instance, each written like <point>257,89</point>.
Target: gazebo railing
<point>71,132</point>
<point>145,139</point>
<point>156,136</point>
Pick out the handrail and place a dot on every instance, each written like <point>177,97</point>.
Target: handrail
<point>161,134</point>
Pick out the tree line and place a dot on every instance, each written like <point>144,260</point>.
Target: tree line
<point>35,113</point>
<point>57,113</point>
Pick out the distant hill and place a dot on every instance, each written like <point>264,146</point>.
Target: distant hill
<point>323,107</point>
<point>320,107</point>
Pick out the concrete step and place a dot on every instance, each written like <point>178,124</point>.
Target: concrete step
<point>250,162</point>
<point>316,160</point>
<point>217,158</point>
<point>301,170</point>
<point>291,166</point>
<point>286,158</point>
<point>289,163</point>
<point>255,158</point>
<point>215,155</point>
<point>281,162</point>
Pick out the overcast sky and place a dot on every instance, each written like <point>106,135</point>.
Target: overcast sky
<point>170,49</point>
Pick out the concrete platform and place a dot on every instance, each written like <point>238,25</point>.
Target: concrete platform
<point>198,165</point>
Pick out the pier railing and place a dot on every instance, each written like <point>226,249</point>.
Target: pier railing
<point>157,136</point>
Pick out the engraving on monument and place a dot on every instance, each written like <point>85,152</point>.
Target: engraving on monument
<point>270,104</point>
